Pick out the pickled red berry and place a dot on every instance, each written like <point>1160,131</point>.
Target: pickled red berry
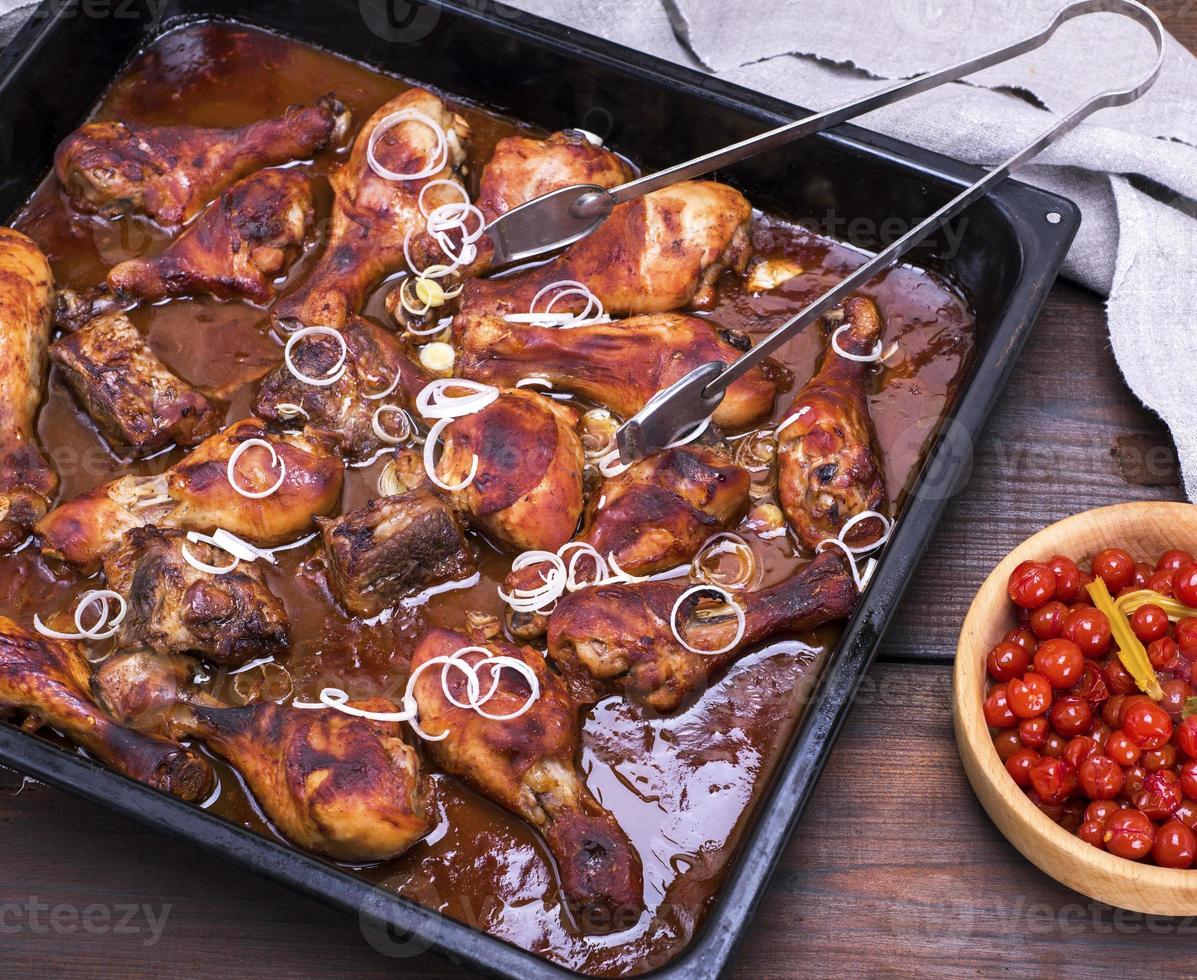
<point>1159,795</point>
<point>1054,745</point>
<point>1007,742</point>
<point>1070,716</point>
<point>1118,678</point>
<point>1161,582</point>
<point>1145,722</point>
<point>1132,781</point>
<point>1173,560</point>
<point>1031,584</point>
<point>1175,845</point>
<point>1023,637</point>
<point>1115,567</point>
<point>1068,578</point>
<point>1053,779</point>
<point>1006,661</point>
<point>1149,622</point>
<point>1121,749</point>
<point>997,708</point>
<point>1162,758</point>
<point>1079,749</point>
<point>1048,620</point>
<point>1019,766</point>
<point>1033,732</point>
<point>1088,629</point>
<point>1129,834</point>
<point>1111,711</point>
<point>1092,832</point>
<point>1185,634</point>
<point>1184,585</point>
<point>1164,654</point>
<point>1030,695</point>
<point>1101,810</point>
<point>1100,777</point>
<point>1092,686</point>
<point>1060,661</point>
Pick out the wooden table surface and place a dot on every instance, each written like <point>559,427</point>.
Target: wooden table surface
<point>894,869</point>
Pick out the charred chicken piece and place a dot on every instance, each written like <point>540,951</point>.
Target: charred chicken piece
<point>655,515</point>
<point>522,169</point>
<point>168,173</point>
<point>528,765</point>
<point>527,491</point>
<point>614,638</point>
<point>48,680</point>
<point>27,481</point>
<point>827,466</point>
<point>136,401</point>
<point>661,252</point>
<point>349,788</point>
<point>234,250</point>
<point>343,412</point>
<point>373,216</point>
<point>174,607</point>
<point>195,495</point>
<point>392,548</point>
<point>620,365</point>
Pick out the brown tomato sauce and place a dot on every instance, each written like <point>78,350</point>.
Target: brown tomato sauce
<point>682,787</point>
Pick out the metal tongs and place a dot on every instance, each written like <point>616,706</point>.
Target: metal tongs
<point>563,217</point>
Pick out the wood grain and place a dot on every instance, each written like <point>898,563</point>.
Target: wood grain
<point>895,870</point>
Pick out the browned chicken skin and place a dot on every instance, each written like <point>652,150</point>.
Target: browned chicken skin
<point>618,637</point>
<point>653,516</point>
<point>168,173</point>
<point>827,466</point>
<point>528,765</point>
<point>620,365</point>
<point>660,252</point>
<point>522,169</point>
<point>372,215</point>
<point>49,680</point>
<point>392,548</point>
<point>527,493</point>
<point>343,411</point>
<point>174,607</point>
<point>136,401</point>
<point>27,481</point>
<point>195,495</point>
<point>234,250</point>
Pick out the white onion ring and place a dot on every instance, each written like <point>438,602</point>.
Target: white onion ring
<point>435,402</point>
<point>741,624</point>
<point>96,632</point>
<point>275,460</point>
<point>334,697</point>
<point>791,420</point>
<point>602,572</point>
<point>440,182</point>
<point>203,566</point>
<point>391,440</point>
<point>438,157</point>
<point>718,544</point>
<point>430,461</point>
<point>539,598</point>
<point>338,369</point>
<point>861,358</point>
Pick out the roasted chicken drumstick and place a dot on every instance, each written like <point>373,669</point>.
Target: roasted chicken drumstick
<point>654,516</point>
<point>168,173</point>
<point>528,764</point>
<point>234,250</point>
<point>620,365</point>
<point>618,637</point>
<point>48,680</point>
<point>373,216</point>
<point>827,466</point>
<point>27,482</point>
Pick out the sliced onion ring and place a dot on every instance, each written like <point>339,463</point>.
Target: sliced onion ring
<point>275,461</point>
<point>437,158</point>
<point>434,435</point>
<point>338,369</point>
<point>435,402</point>
<point>741,625</point>
<point>862,358</point>
<point>103,628</point>
<point>387,437</point>
<point>727,542</point>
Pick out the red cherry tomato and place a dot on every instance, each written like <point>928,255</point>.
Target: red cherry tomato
<point>1185,736</point>
<point>1101,811</point>
<point>1159,795</point>
<point>1118,679</point>
<point>1173,560</point>
<point>1092,686</point>
<point>1090,630</point>
<point>1129,834</point>
<point>1160,582</point>
<point>1184,585</point>
<point>1031,584</point>
<point>1100,777</point>
<point>1149,622</point>
<point>1185,634</point>
<point>1188,777</point>
<point>1030,695</point>
<point>997,708</point>
<point>1060,661</point>
<point>1079,749</point>
<point>1007,743</point>
<point>1164,655</point>
<point>1006,661</point>
<point>1023,637</point>
<point>1111,711</point>
<point>1115,567</point>
<point>1071,717</point>
<point>1053,779</point>
<point>1175,845</point>
<point>1019,766</point>
<point>1068,577</point>
<point>1121,749</point>
<point>1147,724</point>
<point>1048,620</point>
<point>1176,693</point>
<point>1092,832</point>
<point>1162,758</point>
<point>1143,572</point>
<point>1033,732</point>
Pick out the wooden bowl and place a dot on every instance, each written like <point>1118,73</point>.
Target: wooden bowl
<point>1146,530</point>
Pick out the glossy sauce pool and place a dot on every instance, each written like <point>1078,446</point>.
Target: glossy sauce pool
<point>682,787</point>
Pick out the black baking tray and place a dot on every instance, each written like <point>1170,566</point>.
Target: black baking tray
<point>1005,253</point>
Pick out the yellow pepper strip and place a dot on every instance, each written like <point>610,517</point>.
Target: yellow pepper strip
<point>1130,650</point>
<point>1128,603</point>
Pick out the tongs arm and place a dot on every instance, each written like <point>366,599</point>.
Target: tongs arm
<point>687,403</point>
